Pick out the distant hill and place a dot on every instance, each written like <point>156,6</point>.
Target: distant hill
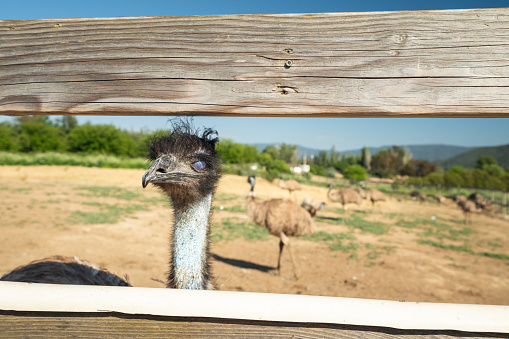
<point>421,152</point>
<point>468,159</point>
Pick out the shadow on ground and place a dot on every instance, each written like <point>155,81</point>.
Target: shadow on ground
<point>243,263</point>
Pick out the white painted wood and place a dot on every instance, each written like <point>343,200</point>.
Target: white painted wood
<point>253,306</point>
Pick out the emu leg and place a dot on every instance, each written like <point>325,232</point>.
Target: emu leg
<point>286,241</point>
<point>281,245</point>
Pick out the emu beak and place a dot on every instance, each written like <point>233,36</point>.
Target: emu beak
<point>159,170</point>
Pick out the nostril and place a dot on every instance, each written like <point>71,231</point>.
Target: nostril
<point>161,170</point>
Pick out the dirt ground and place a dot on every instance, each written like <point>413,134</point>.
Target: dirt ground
<point>425,253</point>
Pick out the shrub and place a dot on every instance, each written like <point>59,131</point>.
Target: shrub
<point>100,139</point>
<point>8,137</point>
<point>39,136</point>
<point>356,172</point>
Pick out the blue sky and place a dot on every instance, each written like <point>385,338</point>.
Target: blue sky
<point>323,133</point>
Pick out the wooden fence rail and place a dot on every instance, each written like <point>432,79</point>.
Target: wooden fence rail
<point>428,63</point>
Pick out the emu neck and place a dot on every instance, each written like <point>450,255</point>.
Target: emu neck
<point>190,246</point>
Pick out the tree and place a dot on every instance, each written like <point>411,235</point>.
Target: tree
<point>402,158</point>
<point>334,156</point>
<point>383,164</point>
<point>272,151</point>
<point>67,123</point>
<point>494,170</point>
<point>420,168</point>
<point>288,153</point>
<point>484,161</point>
<point>322,159</point>
<point>366,159</point>
<point>435,178</point>
<point>33,118</point>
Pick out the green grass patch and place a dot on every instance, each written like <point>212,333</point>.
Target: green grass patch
<point>406,224</point>
<point>378,228</point>
<point>494,255</point>
<point>339,246</point>
<point>495,244</point>
<point>324,236</point>
<point>234,209</point>
<point>334,240</point>
<point>457,266</point>
<point>465,248</point>
<point>155,200</point>
<point>353,256</point>
<point>229,230</point>
<point>108,214</point>
<point>393,215</point>
<point>223,197</point>
<point>329,220</point>
<point>108,192</point>
<point>374,255</point>
<point>71,159</point>
<point>23,190</point>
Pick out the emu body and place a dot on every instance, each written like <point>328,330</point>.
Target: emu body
<point>281,217</point>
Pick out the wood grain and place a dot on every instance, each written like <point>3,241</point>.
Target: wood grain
<point>450,63</point>
<point>115,325</point>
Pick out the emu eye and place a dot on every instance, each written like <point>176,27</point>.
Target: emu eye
<point>199,166</point>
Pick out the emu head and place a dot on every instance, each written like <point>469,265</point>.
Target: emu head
<point>186,165</point>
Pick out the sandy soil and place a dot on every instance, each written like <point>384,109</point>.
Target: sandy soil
<point>44,209</point>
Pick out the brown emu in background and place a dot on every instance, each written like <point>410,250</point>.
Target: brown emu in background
<point>345,196</point>
<point>374,195</point>
<point>440,198</point>
<point>282,218</point>
<point>467,206</point>
<point>186,168</point>
<point>481,203</point>
<point>311,206</point>
<point>418,195</point>
<point>290,185</point>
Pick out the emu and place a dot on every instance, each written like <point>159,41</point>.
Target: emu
<point>345,196</point>
<point>418,195</point>
<point>467,206</point>
<point>282,218</point>
<point>311,206</point>
<point>64,270</point>
<point>374,195</point>
<point>440,198</point>
<point>290,185</point>
<point>186,168</point>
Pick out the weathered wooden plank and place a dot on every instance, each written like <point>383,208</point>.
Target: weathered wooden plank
<point>428,63</point>
<point>116,325</point>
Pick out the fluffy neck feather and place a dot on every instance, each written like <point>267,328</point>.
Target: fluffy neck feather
<point>190,246</point>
